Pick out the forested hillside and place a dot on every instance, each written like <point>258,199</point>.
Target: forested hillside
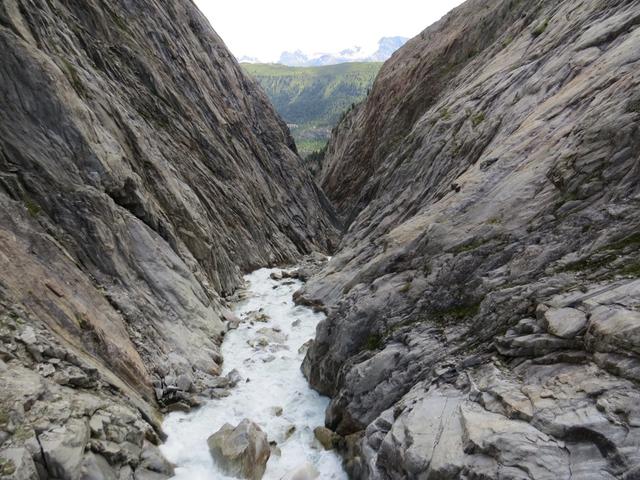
<point>312,99</point>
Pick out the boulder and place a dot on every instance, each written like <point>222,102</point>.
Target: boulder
<point>305,346</point>
<point>564,322</point>
<point>184,382</point>
<point>63,448</point>
<point>257,316</point>
<point>271,335</point>
<point>152,459</point>
<point>614,329</point>
<point>241,451</point>
<point>327,438</point>
<point>277,411</point>
<point>96,467</point>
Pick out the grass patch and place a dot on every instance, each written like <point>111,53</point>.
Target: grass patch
<point>4,417</point>
<point>477,119</point>
<point>32,207</point>
<point>541,28</point>
<point>118,21</point>
<point>74,78</point>
<point>607,255</point>
<point>634,106</point>
<point>457,313</point>
<point>374,342</point>
<point>632,270</point>
<point>313,148</point>
<point>467,247</point>
<point>23,433</point>
<point>632,240</point>
<point>6,467</point>
<point>589,263</point>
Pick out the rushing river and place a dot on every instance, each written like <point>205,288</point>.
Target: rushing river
<point>271,380</point>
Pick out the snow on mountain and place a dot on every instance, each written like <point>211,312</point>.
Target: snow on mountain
<point>385,48</point>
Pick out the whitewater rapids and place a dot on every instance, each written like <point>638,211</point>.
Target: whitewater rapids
<point>271,378</point>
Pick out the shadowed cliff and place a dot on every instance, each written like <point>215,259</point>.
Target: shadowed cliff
<point>141,174</point>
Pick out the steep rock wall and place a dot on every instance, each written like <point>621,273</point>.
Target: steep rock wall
<point>482,307</point>
<point>141,174</point>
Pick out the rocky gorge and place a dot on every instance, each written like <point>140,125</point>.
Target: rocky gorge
<point>481,205</point>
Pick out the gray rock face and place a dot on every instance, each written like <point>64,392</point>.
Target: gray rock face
<point>241,451</point>
<point>482,306</point>
<point>565,322</point>
<point>141,174</point>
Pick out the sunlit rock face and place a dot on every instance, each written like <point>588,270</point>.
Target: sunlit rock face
<point>482,306</point>
<point>141,174</point>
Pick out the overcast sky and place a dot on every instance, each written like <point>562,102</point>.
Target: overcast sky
<point>265,28</point>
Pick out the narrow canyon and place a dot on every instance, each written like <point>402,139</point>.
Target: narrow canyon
<point>455,294</point>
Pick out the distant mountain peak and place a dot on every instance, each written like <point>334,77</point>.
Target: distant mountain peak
<point>386,47</point>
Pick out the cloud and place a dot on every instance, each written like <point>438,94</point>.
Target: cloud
<point>265,28</point>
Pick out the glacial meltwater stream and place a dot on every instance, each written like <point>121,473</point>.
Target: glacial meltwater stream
<point>271,380</point>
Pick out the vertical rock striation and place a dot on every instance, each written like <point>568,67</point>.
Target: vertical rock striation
<point>483,304</point>
<point>141,174</point>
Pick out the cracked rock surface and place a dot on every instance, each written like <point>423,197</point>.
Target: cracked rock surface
<point>483,306</point>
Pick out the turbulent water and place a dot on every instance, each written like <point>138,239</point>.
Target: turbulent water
<point>271,379</point>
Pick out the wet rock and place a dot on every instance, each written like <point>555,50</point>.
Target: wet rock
<point>327,438</point>
<point>233,377</point>
<point>305,346</point>
<point>241,451</point>
<point>257,316</point>
<point>271,335</point>
<point>275,449</point>
<point>289,431</point>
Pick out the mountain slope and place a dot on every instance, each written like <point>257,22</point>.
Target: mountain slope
<point>483,305</point>
<point>141,173</point>
<point>312,99</point>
